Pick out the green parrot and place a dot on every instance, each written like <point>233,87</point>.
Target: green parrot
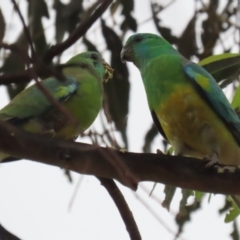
<point>81,93</point>
<point>188,107</point>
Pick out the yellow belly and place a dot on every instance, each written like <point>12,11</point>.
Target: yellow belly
<point>194,129</point>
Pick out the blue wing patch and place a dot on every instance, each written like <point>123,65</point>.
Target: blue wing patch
<point>209,90</point>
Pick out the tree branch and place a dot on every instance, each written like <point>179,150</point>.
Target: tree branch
<point>40,67</point>
<point>88,159</point>
<point>25,28</point>
<point>122,207</point>
<point>78,32</point>
<point>6,235</point>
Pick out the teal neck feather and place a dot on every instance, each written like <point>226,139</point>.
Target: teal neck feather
<point>150,51</point>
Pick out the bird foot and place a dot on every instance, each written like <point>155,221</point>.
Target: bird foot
<point>50,133</point>
<point>75,138</point>
<point>211,160</point>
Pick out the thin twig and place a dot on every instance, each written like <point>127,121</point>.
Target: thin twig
<point>12,47</point>
<point>75,192</point>
<point>6,235</point>
<point>127,175</point>
<point>122,207</point>
<point>26,30</point>
<point>77,33</point>
<point>25,76</point>
<point>154,214</point>
<point>15,48</point>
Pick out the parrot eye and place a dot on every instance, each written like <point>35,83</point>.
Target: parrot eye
<point>138,38</point>
<point>94,56</point>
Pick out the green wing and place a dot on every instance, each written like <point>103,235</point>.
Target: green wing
<point>32,102</point>
<point>209,90</point>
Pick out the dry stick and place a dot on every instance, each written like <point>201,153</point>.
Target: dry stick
<point>184,172</point>
<point>25,76</point>
<point>116,194</point>
<point>79,182</point>
<point>122,207</point>
<point>15,48</point>
<point>6,235</point>
<point>156,199</point>
<point>18,77</point>
<point>154,214</point>
<point>12,47</point>
<point>26,30</point>
<point>125,174</point>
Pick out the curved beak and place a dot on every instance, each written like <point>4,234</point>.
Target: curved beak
<point>126,54</point>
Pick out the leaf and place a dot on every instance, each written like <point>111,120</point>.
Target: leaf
<point>183,211</point>
<point>235,232</point>
<point>114,7</point>
<point>129,22</point>
<point>67,17</point>
<point>187,42</point>
<point>164,31</point>
<point>149,137</point>
<point>117,90</point>
<point>89,45</point>
<point>60,23</point>
<point>211,28</point>
<point>232,214</point>
<point>222,66</point>
<point>170,150</point>
<point>199,195</point>
<point>182,219</point>
<point>226,207</point>
<point>14,62</point>
<point>2,26</point>
<point>169,194</point>
<point>36,11</point>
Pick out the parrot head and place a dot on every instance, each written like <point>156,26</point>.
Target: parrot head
<point>143,46</point>
<point>96,61</point>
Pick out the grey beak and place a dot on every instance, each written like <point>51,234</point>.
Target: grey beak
<point>122,55</point>
<point>125,54</point>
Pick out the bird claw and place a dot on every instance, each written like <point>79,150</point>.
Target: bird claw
<point>75,138</point>
<point>211,160</point>
<point>50,133</point>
